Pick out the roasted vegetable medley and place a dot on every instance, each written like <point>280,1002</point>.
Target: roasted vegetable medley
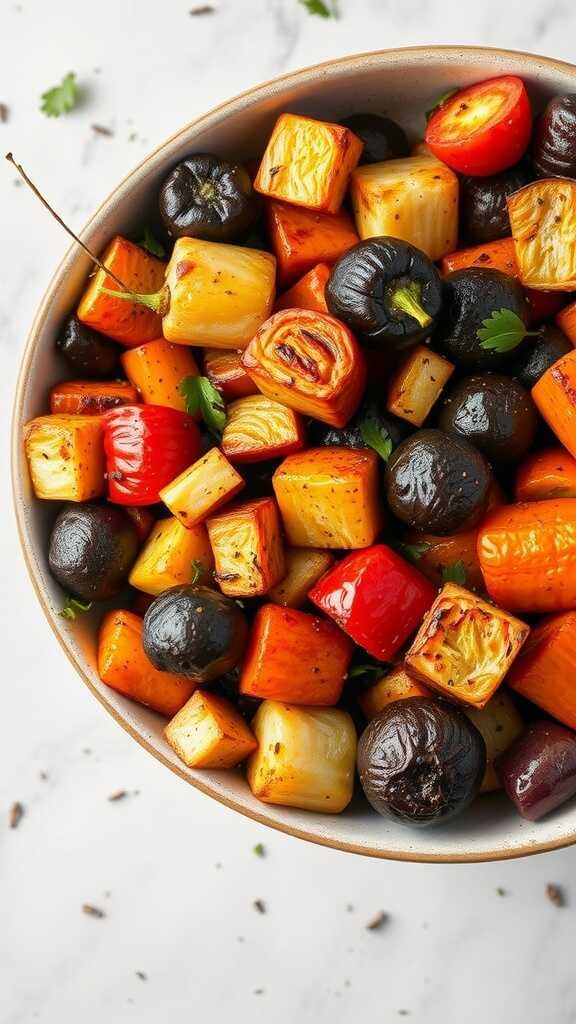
<point>323,460</point>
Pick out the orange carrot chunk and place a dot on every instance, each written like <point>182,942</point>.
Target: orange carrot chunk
<point>157,370</point>
<point>555,398</point>
<point>545,672</point>
<point>91,398</point>
<point>302,238</point>
<point>308,292</point>
<point>549,473</point>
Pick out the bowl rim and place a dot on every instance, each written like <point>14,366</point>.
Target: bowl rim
<point>415,55</point>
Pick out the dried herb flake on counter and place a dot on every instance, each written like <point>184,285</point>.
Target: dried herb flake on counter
<point>16,814</point>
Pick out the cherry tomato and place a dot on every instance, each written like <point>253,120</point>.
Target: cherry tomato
<point>146,447</point>
<point>483,129</point>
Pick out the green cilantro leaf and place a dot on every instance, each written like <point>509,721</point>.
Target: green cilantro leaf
<point>455,573</point>
<point>502,331</point>
<point>376,436</point>
<point>201,396</point>
<point>146,240</point>
<point>319,8</point>
<point>72,606</point>
<point>411,552</point>
<point>365,668</point>
<point>440,102</point>
<point>61,98</point>
<point>259,850</point>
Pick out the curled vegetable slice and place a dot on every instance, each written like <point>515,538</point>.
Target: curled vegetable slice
<point>259,428</point>
<point>310,362</point>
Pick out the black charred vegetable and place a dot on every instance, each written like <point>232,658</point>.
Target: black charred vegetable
<point>195,632</point>
<point>536,355</point>
<point>437,483</point>
<point>383,139</point>
<point>554,144</point>
<point>469,297</point>
<point>354,434</point>
<point>387,291</point>
<point>483,210</point>
<point>91,550</point>
<point>206,197</point>
<point>421,761</point>
<point>90,354</point>
<point>495,413</point>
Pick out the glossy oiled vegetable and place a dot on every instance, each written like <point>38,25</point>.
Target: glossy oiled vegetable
<point>207,197</point>
<point>555,397</point>
<point>295,657</point>
<point>383,139</point>
<point>309,362</point>
<point>538,771</point>
<point>225,371</point>
<point>494,413</point>
<point>528,555</point>
<point>124,666</point>
<point>499,723</point>
<point>127,322</point>
<point>388,429</point>
<point>395,685</point>
<point>328,497</point>
<point>173,555</point>
<point>65,457</point>
<point>437,556</point>
<point>415,199</point>
<point>91,398</point>
<point>543,221</point>
<point>554,143</point>
<point>437,482</point>
<point>417,384</point>
<point>548,473</point>
<point>545,672</point>
<point>246,541</point>
<point>566,321</point>
<point>465,646</point>
<point>208,732</point>
<point>377,597</point>
<point>305,757</point>
<point>387,291</point>
<point>91,550</point>
<point>308,292</point>
<point>194,631</point>
<point>483,209</point>
<point>420,761</point>
<point>304,567</point>
<point>204,487</point>
<point>157,370</point>
<point>259,428</point>
<point>308,163</point>
<point>303,238</point>
<point>88,353</point>
<point>536,355</point>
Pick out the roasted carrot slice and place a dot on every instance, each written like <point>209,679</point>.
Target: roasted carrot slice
<point>66,457</point>
<point>123,665</point>
<point>208,732</point>
<point>528,555</point>
<point>91,398</point>
<point>259,428</point>
<point>302,238</point>
<point>566,320</point>
<point>248,549</point>
<point>203,488</point>
<point>545,672</point>
<point>555,398</point>
<point>157,370</point>
<point>126,322</point>
<point>225,371</point>
<point>308,292</point>
<point>549,473</point>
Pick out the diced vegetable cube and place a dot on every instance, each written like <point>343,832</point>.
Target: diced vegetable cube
<point>208,732</point>
<point>126,322</point>
<point>219,294</point>
<point>543,221</point>
<point>308,163</point>
<point>202,488</point>
<point>395,685</point>
<point>308,292</point>
<point>465,646</point>
<point>305,757</point>
<point>414,198</point>
<point>66,457</point>
<point>555,398</point>
<point>304,567</point>
<point>173,555</point>
<point>157,370</point>
<point>301,238</point>
<point>295,657</point>
<point>547,473</point>
<point>225,371</point>
<point>376,597</point>
<point>89,397</point>
<point>329,497</point>
<point>545,671</point>
<point>248,551</point>
<point>417,384</point>
<point>124,666</point>
<point>499,724</point>
<point>258,428</point>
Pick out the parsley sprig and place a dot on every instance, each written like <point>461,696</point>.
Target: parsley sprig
<point>319,8</point>
<point>61,98</point>
<point>202,397</point>
<point>376,436</point>
<point>502,331</point>
<point>146,240</point>
<point>72,606</point>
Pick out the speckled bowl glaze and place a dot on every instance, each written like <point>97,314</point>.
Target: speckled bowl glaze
<point>403,83</point>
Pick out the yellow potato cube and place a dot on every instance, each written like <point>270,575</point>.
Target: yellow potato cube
<point>304,567</point>
<point>499,724</point>
<point>308,163</point>
<point>248,549</point>
<point>305,757</point>
<point>543,223</point>
<point>395,685</point>
<point>66,457</point>
<point>173,555</point>
<point>417,384</point>
<point>202,488</point>
<point>208,732</point>
<point>414,198</point>
<point>219,294</point>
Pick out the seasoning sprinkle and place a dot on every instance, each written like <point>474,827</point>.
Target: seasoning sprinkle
<point>16,814</point>
<point>92,911</point>
<point>556,895</point>
<point>377,922</point>
<point>4,113</point>
<point>119,794</point>
<point>142,975</point>
<point>259,850</point>
<point>101,129</point>
<point>201,9</point>
<point>260,906</point>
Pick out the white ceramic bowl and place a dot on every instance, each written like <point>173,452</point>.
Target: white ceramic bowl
<point>402,83</point>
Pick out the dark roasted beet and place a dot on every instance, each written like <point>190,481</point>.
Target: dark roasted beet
<point>494,413</point>
<point>536,355</point>
<point>207,197</point>
<point>483,209</point>
<point>91,550</point>
<point>383,139</point>
<point>554,143</point>
<point>90,354</point>
<point>538,771</point>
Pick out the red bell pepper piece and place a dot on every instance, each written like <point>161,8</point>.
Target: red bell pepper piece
<point>146,446</point>
<point>376,597</point>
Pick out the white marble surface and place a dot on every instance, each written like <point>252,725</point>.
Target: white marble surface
<point>175,873</point>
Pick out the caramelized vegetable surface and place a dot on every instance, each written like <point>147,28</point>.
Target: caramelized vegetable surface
<point>555,398</point>
<point>65,457</point>
<point>543,221</point>
<point>417,384</point>
<point>204,487</point>
<point>304,567</point>
<point>225,371</point>
<point>208,732</point>
<point>259,428</point>
<point>157,370</point>
<point>302,238</point>
<point>548,473</point>
<point>172,555</point>
<point>90,398</point>
<point>499,724</point>
<point>545,672</point>
<point>246,541</point>
<point>397,684</point>
<point>308,292</point>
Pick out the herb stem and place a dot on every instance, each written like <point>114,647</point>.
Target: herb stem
<point>408,299</point>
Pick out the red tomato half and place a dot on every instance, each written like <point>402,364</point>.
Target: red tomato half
<point>483,129</point>
<point>146,447</point>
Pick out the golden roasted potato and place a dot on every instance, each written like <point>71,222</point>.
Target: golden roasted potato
<point>202,488</point>
<point>417,384</point>
<point>395,685</point>
<point>65,456</point>
<point>543,222</point>
<point>499,724</point>
<point>465,646</point>
<point>208,732</point>
<point>304,567</point>
<point>248,549</point>
<point>173,555</point>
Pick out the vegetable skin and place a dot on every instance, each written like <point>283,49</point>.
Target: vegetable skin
<point>308,292</point>
<point>548,473</point>
<point>395,685</point>
<point>555,398</point>
<point>546,669</point>
<point>543,221</point>
<point>90,398</point>
<point>226,373</point>
<point>499,724</point>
